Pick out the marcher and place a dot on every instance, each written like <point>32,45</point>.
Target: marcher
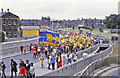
<point>53,61</point>
<point>48,60</point>
<point>27,68</point>
<point>30,47</point>
<point>3,70</point>
<point>46,50</point>
<point>38,50</point>
<point>13,67</point>
<point>59,61</point>
<point>42,60</point>
<point>22,70</point>
<point>57,57</point>
<point>85,54</point>
<point>69,57</point>
<point>25,50</point>
<point>32,71</point>
<point>21,48</point>
<point>74,57</point>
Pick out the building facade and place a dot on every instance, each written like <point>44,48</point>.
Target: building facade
<point>9,23</point>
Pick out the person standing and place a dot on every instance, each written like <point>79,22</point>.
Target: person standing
<point>13,67</point>
<point>32,71</point>
<point>27,68</point>
<point>25,50</point>
<point>3,70</point>
<point>53,61</point>
<point>21,48</point>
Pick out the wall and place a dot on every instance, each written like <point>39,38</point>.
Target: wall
<point>14,46</point>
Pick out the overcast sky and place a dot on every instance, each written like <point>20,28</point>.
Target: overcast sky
<point>61,9</point>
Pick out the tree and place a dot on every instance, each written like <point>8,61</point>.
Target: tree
<point>112,21</point>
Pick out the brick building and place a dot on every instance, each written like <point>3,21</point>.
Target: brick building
<point>9,23</point>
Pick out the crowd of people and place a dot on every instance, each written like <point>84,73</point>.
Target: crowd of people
<point>69,44</point>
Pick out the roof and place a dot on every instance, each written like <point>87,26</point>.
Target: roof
<point>30,27</point>
<point>1,14</point>
<point>30,21</point>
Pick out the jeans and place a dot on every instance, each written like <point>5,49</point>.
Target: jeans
<point>12,73</point>
<point>3,73</point>
<point>48,65</point>
<point>53,66</point>
<point>68,61</point>
<point>27,73</point>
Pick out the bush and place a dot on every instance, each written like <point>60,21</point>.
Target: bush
<point>91,29</point>
<point>101,29</point>
<point>2,36</point>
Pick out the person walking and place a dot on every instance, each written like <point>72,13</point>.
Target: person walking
<point>25,50</point>
<point>30,47</point>
<point>13,68</point>
<point>22,70</point>
<point>53,61</point>
<point>59,61</point>
<point>21,48</point>
<point>85,54</point>
<point>42,60</point>
<point>46,50</point>
<point>48,60</point>
<point>38,50</point>
<point>27,68</point>
<point>3,70</point>
<point>69,57</point>
<point>74,57</point>
<point>32,71</point>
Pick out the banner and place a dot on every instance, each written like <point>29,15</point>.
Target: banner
<point>49,38</point>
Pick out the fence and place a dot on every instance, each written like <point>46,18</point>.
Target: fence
<point>100,63</point>
<point>72,69</point>
<point>80,53</point>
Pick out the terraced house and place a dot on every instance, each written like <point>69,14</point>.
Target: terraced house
<point>9,23</point>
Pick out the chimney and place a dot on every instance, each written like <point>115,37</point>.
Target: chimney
<point>7,10</point>
<point>1,10</point>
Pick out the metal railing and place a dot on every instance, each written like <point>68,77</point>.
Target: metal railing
<point>79,66</point>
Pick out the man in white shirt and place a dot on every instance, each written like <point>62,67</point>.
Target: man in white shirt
<point>85,54</point>
<point>32,71</point>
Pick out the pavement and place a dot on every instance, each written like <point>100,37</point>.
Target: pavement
<point>38,70</point>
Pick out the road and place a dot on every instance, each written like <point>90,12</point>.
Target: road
<point>25,57</point>
<point>38,70</point>
<point>115,72</point>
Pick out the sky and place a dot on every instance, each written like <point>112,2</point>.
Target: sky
<point>61,9</point>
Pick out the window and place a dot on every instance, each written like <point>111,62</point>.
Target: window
<point>9,22</point>
<point>15,22</point>
<point>4,22</point>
